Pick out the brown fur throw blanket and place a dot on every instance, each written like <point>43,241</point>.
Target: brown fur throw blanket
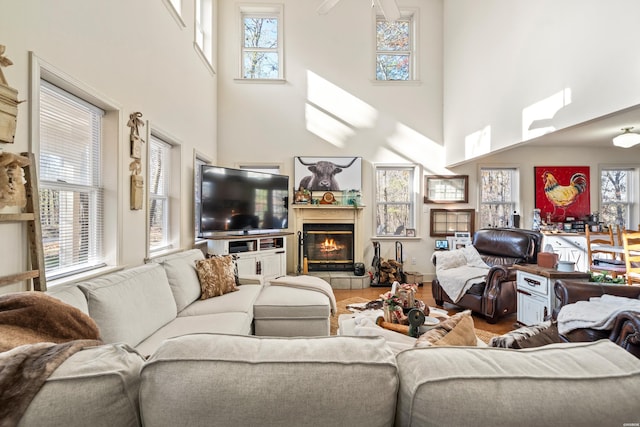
<point>37,334</point>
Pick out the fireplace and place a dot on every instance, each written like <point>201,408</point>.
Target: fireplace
<point>328,247</point>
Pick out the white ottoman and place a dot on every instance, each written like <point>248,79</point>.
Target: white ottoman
<point>282,311</point>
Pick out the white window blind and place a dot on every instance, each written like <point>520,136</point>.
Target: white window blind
<point>159,167</point>
<point>71,194</point>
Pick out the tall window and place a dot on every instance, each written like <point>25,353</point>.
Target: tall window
<point>261,43</point>
<point>71,192</point>
<point>204,28</point>
<point>395,49</point>
<point>159,179</point>
<point>198,161</point>
<point>616,196</point>
<point>498,196</point>
<point>395,200</point>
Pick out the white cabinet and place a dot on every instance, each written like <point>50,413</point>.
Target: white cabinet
<point>266,255</point>
<point>536,296</point>
<point>569,248</point>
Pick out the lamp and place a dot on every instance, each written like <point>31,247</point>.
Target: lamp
<point>627,138</point>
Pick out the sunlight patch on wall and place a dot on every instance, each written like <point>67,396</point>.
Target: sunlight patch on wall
<point>413,146</point>
<point>340,103</point>
<point>538,118</point>
<point>477,143</point>
<point>327,127</point>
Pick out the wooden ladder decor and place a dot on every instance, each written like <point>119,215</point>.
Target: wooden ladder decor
<point>30,215</point>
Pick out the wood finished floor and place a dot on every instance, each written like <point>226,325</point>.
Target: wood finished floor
<point>505,324</point>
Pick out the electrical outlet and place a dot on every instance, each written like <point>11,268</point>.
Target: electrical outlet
<point>413,261</point>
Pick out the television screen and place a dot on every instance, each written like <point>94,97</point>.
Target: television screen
<point>234,200</point>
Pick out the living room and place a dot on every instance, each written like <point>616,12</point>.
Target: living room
<point>495,84</point>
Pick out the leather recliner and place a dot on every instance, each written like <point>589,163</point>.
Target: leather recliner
<point>500,248</point>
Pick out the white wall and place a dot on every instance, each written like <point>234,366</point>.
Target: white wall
<point>135,54</point>
<point>504,57</point>
<point>329,71</point>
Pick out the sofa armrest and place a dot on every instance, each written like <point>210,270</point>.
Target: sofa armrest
<point>499,293</point>
<point>568,292</point>
<point>251,279</point>
<point>497,275</point>
<point>626,332</point>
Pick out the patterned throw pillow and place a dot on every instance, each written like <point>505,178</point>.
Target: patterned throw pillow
<point>455,331</point>
<point>217,276</point>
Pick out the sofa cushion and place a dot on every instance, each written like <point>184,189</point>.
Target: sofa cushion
<point>515,244</point>
<point>241,301</point>
<point>221,323</point>
<point>217,276</point>
<point>250,381</point>
<point>455,331</point>
<point>182,276</point>
<point>97,386</point>
<point>71,295</point>
<point>130,305</point>
<point>567,384</point>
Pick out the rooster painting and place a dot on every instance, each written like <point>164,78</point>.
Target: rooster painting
<point>566,190</point>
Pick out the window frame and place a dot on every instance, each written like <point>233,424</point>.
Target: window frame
<point>406,14</point>
<point>261,11</point>
<point>204,39</point>
<point>414,190</point>
<point>175,10</point>
<point>109,154</point>
<point>514,204</point>
<point>198,160</point>
<point>632,190</point>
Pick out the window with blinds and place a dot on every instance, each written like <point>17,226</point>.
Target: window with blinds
<point>71,193</point>
<point>159,168</point>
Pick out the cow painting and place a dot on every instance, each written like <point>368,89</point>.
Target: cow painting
<point>323,174</point>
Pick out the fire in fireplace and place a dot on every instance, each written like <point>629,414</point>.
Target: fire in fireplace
<point>328,247</point>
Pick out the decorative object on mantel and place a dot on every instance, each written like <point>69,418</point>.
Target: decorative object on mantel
<point>8,103</point>
<point>137,184</point>
<point>135,167</point>
<point>136,142</point>
<point>12,191</point>
<point>327,198</point>
<point>302,196</point>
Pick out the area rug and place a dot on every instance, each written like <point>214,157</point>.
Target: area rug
<point>342,309</point>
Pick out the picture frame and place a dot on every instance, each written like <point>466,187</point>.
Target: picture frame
<point>446,222</point>
<point>340,173</point>
<point>411,232</point>
<point>552,199</point>
<point>446,189</point>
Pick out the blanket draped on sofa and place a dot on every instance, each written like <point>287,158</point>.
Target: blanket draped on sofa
<point>37,334</point>
<point>458,270</point>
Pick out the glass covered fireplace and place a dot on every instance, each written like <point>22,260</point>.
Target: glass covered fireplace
<point>328,247</point>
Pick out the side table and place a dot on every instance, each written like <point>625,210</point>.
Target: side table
<point>534,285</point>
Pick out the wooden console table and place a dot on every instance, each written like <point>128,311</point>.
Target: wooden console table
<point>536,298</point>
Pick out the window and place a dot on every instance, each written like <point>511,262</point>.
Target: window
<point>498,196</point>
<point>204,28</point>
<point>71,192</point>
<point>159,209</point>
<point>261,53</point>
<point>616,196</point>
<point>395,52</point>
<point>395,199</point>
<point>198,161</point>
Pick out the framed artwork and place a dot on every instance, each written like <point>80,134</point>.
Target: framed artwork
<point>328,173</point>
<point>449,222</point>
<point>411,232</point>
<point>562,191</point>
<point>446,188</point>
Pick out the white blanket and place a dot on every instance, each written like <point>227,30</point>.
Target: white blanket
<point>458,270</point>
<point>597,313</point>
<point>311,283</point>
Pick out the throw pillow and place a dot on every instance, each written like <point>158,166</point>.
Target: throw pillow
<point>457,330</point>
<point>216,275</point>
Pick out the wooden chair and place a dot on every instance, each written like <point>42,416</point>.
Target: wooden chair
<point>602,261</point>
<point>631,245</point>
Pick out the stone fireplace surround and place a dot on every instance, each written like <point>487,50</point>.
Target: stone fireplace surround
<point>331,214</point>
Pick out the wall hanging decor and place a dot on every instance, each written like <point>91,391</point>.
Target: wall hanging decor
<point>328,173</point>
<point>562,191</point>
<point>8,103</point>
<point>12,191</point>
<point>135,167</point>
<point>446,188</point>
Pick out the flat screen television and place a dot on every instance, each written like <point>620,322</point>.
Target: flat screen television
<point>238,201</point>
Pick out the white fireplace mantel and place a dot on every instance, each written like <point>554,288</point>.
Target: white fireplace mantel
<point>331,214</point>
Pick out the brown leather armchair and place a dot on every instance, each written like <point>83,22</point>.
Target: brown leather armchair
<point>500,248</point>
<point>626,328</point>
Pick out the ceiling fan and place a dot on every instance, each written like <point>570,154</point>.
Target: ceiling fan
<point>389,8</point>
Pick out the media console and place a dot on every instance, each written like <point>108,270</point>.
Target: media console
<point>264,254</point>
